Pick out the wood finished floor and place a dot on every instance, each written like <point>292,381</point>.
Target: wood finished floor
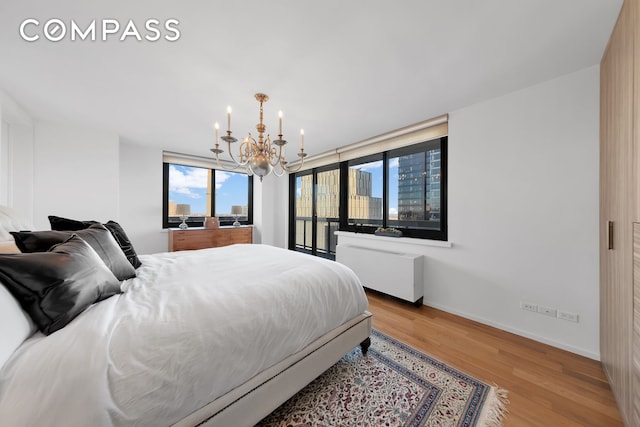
<point>548,387</point>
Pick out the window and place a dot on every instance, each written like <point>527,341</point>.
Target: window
<point>413,195</point>
<point>198,192</point>
<point>404,188</point>
<point>415,190</point>
<point>231,194</point>
<point>304,212</point>
<point>315,211</point>
<point>364,191</point>
<point>327,211</point>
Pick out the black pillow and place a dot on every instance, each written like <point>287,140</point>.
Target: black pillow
<point>56,286</point>
<point>123,240</point>
<point>97,236</point>
<point>66,224</point>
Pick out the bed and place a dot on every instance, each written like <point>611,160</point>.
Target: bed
<point>215,337</point>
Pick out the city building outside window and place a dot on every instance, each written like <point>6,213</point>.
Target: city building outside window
<point>365,186</point>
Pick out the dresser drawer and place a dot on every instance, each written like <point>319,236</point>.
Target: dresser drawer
<point>201,238</point>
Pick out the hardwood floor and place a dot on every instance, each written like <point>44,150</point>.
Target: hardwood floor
<point>548,387</point>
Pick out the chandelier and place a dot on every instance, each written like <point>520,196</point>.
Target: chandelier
<point>263,156</point>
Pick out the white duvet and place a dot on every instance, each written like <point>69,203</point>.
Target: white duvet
<point>192,326</point>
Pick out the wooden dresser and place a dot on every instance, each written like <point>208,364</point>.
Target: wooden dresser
<point>200,238</point>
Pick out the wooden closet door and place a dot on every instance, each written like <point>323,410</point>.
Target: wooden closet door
<point>617,204</point>
<point>635,346</point>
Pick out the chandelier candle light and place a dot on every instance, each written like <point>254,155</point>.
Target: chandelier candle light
<point>263,156</point>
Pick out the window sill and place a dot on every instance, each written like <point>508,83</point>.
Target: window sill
<point>403,240</point>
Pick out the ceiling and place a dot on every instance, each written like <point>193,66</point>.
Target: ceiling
<point>342,70</point>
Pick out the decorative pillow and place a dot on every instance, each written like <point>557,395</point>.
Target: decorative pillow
<point>56,286</point>
<point>123,240</point>
<point>97,236</point>
<point>66,224</point>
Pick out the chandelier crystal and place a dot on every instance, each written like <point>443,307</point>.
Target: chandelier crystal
<point>263,156</point>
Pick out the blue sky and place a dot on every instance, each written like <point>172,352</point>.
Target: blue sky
<point>189,185</point>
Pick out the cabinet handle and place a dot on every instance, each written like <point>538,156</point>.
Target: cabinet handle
<point>610,234</point>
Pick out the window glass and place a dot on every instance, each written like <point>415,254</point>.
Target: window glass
<point>189,193</point>
<point>327,208</point>
<point>304,209</point>
<point>365,193</point>
<point>414,190</point>
<point>232,196</point>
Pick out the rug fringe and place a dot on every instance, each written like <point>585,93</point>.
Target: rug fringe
<point>495,408</point>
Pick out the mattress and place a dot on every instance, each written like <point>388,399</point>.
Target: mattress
<point>191,326</point>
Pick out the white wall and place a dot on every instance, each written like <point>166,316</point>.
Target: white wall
<point>22,151</point>
<point>524,210</point>
<point>271,210</point>
<point>5,164</point>
<point>141,197</point>
<point>16,157</point>
<point>523,213</point>
<point>76,174</point>
<point>85,174</point>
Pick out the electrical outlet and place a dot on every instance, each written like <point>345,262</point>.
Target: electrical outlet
<point>565,315</point>
<point>528,306</point>
<point>548,311</point>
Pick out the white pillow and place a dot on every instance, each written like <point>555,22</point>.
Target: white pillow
<point>15,325</point>
<point>11,221</point>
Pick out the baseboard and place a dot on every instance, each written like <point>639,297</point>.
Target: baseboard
<point>572,349</point>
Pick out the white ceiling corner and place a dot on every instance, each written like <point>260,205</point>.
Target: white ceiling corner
<point>343,71</point>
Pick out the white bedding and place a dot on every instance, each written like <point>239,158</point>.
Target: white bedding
<point>192,326</point>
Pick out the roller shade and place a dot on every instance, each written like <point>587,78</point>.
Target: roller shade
<point>409,135</point>
<point>419,132</point>
<point>199,161</point>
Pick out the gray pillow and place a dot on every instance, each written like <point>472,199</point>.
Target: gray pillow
<point>67,224</point>
<point>56,286</point>
<point>97,236</point>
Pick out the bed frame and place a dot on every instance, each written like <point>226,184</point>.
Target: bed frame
<point>250,402</point>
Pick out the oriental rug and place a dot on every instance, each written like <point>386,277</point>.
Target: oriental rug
<point>393,385</point>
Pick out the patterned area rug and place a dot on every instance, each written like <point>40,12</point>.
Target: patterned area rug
<point>393,385</point>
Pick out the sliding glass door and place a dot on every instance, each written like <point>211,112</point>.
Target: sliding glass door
<point>315,216</point>
<point>303,218</point>
<point>327,211</point>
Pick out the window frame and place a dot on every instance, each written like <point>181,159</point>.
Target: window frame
<point>292,210</point>
<point>344,191</point>
<point>198,221</point>
<point>314,208</point>
<point>440,234</point>
<point>423,147</point>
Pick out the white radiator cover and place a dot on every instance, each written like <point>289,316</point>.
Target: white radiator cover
<point>393,273</point>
